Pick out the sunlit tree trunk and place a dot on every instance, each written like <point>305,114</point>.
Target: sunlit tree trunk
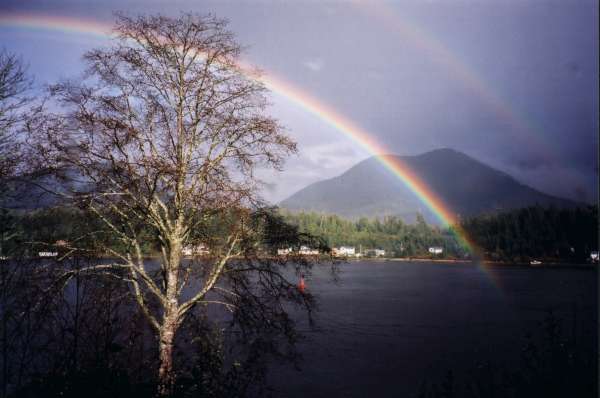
<point>170,321</point>
<point>165,353</point>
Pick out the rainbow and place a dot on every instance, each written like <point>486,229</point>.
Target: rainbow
<point>520,128</point>
<point>287,90</point>
<point>62,24</point>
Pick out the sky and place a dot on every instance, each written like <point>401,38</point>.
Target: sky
<point>512,83</point>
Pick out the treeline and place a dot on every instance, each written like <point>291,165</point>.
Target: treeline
<point>517,236</point>
<point>62,229</point>
<point>547,234</point>
<point>28,232</point>
<point>391,234</point>
<point>35,229</point>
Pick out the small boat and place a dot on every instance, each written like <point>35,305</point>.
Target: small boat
<point>535,262</point>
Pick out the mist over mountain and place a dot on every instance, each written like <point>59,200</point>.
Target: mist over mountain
<point>467,186</point>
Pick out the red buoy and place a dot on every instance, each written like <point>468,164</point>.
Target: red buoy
<point>301,285</point>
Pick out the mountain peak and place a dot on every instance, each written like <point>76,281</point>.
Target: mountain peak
<point>466,186</point>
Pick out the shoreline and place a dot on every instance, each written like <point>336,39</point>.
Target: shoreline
<point>447,261</point>
<point>476,262</point>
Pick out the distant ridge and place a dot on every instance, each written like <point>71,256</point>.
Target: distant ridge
<point>467,186</point>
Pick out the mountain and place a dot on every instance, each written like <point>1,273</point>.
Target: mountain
<point>467,186</point>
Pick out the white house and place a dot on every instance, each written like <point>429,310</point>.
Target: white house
<point>379,252</point>
<point>307,251</point>
<point>345,251</point>
<point>436,250</point>
<point>375,252</point>
<point>304,251</point>
<point>198,250</point>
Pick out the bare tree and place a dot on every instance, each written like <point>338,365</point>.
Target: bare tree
<point>13,85</point>
<point>163,137</point>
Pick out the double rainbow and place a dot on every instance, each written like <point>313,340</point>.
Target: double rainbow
<point>523,130</point>
<point>287,90</point>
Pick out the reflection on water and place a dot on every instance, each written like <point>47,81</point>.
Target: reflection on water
<point>385,327</point>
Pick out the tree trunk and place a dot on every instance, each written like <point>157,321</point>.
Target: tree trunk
<point>166,377</point>
<point>171,321</point>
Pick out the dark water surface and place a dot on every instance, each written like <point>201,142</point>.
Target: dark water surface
<point>385,327</point>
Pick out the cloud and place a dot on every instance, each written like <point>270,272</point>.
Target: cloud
<point>314,65</point>
<point>334,157</point>
<point>314,163</point>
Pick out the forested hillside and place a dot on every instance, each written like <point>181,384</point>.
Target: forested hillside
<point>392,234</point>
<point>548,234</point>
<point>519,236</point>
<point>536,233</point>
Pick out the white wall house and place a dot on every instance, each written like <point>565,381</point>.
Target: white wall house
<point>375,252</point>
<point>307,251</point>
<point>304,251</point>
<point>379,252</point>
<point>284,252</point>
<point>197,250</point>
<point>436,250</point>
<point>345,251</point>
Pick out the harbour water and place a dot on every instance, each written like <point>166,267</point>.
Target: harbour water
<point>386,327</point>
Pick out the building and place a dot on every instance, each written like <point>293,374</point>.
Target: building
<point>304,251</point>
<point>379,252</point>
<point>436,250</point>
<point>375,253</point>
<point>307,251</point>
<point>344,251</point>
<point>197,250</point>
<point>284,252</point>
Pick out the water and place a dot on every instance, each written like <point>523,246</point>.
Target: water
<point>385,327</point>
